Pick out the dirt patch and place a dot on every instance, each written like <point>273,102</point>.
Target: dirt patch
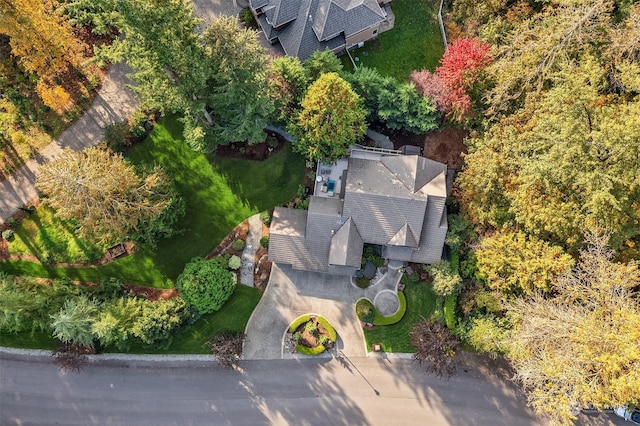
<point>446,146</point>
<point>256,152</point>
<point>151,293</point>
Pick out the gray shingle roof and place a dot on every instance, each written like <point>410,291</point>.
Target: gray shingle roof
<point>346,246</point>
<point>333,17</point>
<point>404,237</point>
<point>256,4</point>
<point>305,26</point>
<point>395,202</point>
<point>285,12</point>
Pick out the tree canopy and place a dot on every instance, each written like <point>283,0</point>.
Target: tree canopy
<point>102,192</point>
<point>581,347</point>
<point>332,118</point>
<point>43,40</point>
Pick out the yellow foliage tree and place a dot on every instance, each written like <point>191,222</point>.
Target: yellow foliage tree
<point>581,347</point>
<point>102,192</point>
<point>514,263</point>
<point>54,96</point>
<point>41,38</point>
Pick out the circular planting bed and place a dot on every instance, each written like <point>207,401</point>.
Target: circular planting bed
<point>312,334</point>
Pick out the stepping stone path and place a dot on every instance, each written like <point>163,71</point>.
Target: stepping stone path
<point>249,253</point>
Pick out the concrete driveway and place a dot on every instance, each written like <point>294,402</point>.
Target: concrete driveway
<point>291,293</point>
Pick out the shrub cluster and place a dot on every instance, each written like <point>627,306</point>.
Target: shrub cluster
<point>86,315</point>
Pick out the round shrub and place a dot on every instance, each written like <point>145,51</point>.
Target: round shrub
<point>365,310</point>
<point>238,245</point>
<point>8,234</point>
<point>264,242</point>
<point>235,262</point>
<point>205,284</point>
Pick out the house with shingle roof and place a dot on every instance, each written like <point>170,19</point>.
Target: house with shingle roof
<point>304,26</point>
<point>390,200</point>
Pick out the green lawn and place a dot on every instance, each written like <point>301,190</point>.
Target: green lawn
<point>421,302</point>
<point>414,43</point>
<point>218,194</point>
<point>52,240</point>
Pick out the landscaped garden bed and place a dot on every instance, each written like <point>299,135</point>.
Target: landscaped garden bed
<point>420,303</point>
<point>312,334</point>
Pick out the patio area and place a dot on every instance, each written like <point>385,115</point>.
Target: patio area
<point>330,179</point>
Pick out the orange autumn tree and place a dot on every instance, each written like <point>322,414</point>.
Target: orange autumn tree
<point>44,41</point>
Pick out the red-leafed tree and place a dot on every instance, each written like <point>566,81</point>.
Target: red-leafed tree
<point>430,85</point>
<point>459,69</point>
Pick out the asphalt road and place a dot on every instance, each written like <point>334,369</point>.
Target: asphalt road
<point>366,391</point>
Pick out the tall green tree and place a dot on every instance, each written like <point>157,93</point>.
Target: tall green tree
<point>332,119</point>
<point>161,45</point>
<point>73,323</point>
<point>236,92</point>
<point>397,105</point>
<point>287,84</point>
<point>321,62</point>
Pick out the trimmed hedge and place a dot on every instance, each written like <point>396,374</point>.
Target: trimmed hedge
<point>382,320</point>
<point>332,332</point>
<point>310,351</point>
<point>296,323</point>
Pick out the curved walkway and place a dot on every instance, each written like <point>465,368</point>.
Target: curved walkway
<point>114,102</point>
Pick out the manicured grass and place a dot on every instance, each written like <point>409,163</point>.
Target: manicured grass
<point>233,316</point>
<point>39,340</point>
<point>421,302</point>
<point>414,43</point>
<point>218,195</point>
<point>50,239</point>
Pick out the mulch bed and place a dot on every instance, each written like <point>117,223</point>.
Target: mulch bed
<point>151,293</point>
<point>256,152</point>
<point>307,339</point>
<point>444,145</point>
<point>239,232</point>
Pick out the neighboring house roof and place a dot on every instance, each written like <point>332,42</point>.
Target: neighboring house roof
<point>345,16</point>
<point>304,26</point>
<point>395,201</point>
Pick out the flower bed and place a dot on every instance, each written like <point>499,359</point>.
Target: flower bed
<point>312,334</point>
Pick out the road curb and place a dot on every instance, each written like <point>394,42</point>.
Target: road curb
<point>141,360</point>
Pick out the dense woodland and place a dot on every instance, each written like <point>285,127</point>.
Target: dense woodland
<point>545,214</point>
<point>549,197</point>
